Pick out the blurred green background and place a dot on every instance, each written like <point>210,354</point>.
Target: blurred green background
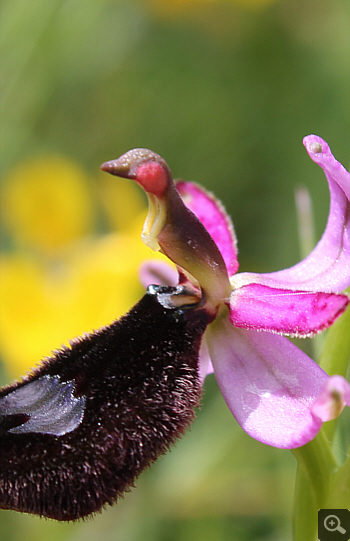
<point>225,92</point>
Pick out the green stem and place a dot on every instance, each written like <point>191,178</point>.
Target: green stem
<point>335,357</point>
<point>316,464</point>
<point>304,508</point>
<point>339,493</point>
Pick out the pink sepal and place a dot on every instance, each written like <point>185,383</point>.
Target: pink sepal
<point>156,272</point>
<point>327,268</point>
<point>332,399</point>
<point>205,365</point>
<point>268,383</point>
<point>213,216</point>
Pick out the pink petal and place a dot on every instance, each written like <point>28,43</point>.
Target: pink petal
<point>205,366</point>
<point>333,398</point>
<point>214,218</point>
<point>158,273</point>
<point>297,313</point>
<point>327,268</point>
<point>268,383</point>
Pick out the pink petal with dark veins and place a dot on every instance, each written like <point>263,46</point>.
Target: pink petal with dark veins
<point>297,313</point>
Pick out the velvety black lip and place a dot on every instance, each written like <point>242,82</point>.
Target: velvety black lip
<point>139,377</point>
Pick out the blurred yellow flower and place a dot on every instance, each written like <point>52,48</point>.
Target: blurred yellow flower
<point>121,200</point>
<point>46,203</point>
<point>63,279</point>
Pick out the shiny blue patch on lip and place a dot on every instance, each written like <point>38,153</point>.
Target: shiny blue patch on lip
<point>49,403</point>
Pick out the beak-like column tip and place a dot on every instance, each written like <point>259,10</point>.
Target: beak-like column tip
<point>127,165</point>
<point>115,167</point>
<point>107,166</point>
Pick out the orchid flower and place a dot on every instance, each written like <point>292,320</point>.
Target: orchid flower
<point>276,392</point>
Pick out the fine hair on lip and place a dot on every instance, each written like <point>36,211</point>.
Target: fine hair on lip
<point>137,386</point>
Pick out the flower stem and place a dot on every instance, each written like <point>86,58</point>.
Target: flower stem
<point>316,464</point>
<point>304,508</point>
<point>335,357</point>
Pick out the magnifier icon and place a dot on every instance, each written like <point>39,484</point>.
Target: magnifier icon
<point>332,524</point>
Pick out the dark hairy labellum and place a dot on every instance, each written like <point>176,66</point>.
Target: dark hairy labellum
<point>77,432</point>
